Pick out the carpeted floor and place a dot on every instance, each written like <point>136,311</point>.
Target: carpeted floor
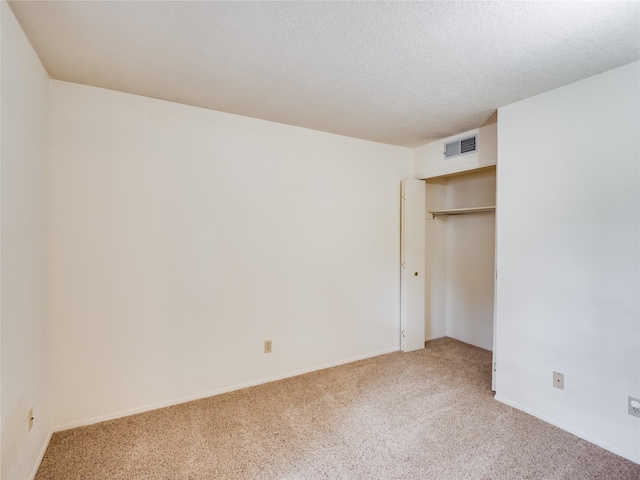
<point>422,415</point>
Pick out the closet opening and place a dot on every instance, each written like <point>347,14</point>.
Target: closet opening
<point>460,256</point>
<point>458,201</point>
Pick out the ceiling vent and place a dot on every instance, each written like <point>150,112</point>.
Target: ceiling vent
<point>460,147</point>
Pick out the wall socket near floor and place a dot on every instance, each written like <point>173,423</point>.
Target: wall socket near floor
<point>634,406</point>
<point>267,346</point>
<point>558,380</point>
<point>30,418</point>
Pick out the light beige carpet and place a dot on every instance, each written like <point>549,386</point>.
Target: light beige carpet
<point>423,415</point>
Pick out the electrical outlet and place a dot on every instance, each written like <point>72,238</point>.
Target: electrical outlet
<point>558,380</point>
<point>267,346</point>
<point>30,418</point>
<point>634,406</point>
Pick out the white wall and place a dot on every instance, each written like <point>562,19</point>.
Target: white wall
<point>429,161</point>
<point>183,238</point>
<point>23,253</point>
<point>568,257</point>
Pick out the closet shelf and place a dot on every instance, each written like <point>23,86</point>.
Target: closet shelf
<point>463,211</point>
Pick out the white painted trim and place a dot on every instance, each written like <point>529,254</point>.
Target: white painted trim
<point>465,168</point>
<point>577,433</point>
<point>41,456</point>
<point>126,413</point>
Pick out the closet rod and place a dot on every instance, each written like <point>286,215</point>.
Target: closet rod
<point>463,211</point>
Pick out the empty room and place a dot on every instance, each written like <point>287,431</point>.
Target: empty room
<point>319,239</point>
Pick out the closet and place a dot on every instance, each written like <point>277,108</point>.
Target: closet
<point>460,209</point>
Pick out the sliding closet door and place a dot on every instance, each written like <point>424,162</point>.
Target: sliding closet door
<point>413,264</point>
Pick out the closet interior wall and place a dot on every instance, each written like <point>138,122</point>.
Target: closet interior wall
<point>460,258</point>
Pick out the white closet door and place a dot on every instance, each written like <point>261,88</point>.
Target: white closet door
<point>413,264</point>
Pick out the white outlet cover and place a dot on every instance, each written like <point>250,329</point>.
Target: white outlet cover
<point>558,380</point>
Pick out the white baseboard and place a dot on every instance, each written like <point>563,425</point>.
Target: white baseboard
<point>41,455</point>
<point>435,337</point>
<point>125,413</point>
<point>577,433</point>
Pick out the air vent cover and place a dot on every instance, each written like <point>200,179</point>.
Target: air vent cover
<point>460,147</point>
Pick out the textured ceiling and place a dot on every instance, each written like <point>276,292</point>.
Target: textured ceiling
<point>403,73</point>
